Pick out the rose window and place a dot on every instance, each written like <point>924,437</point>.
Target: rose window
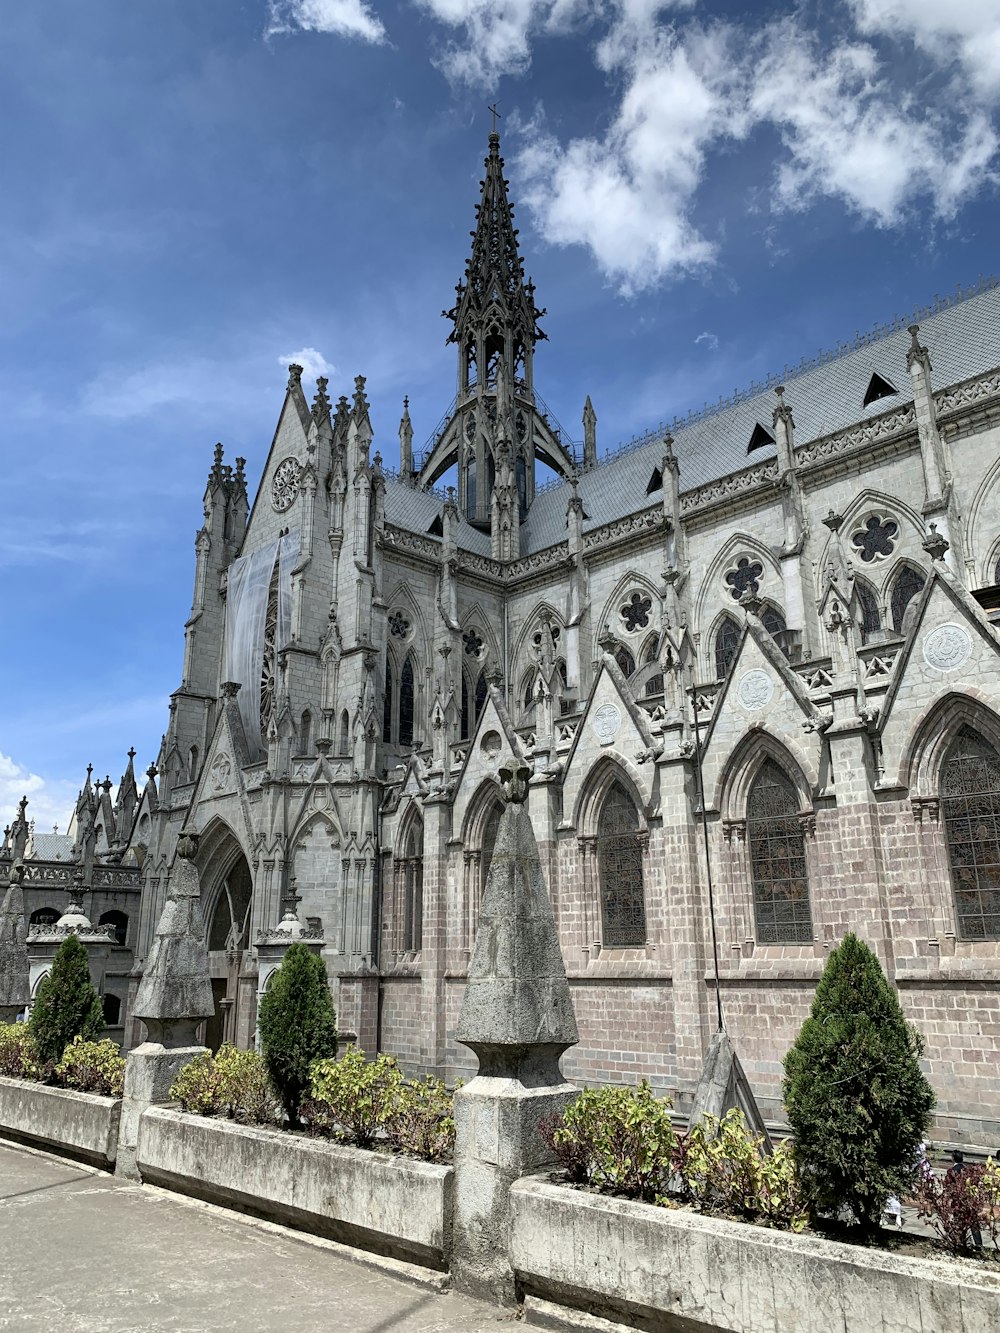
<point>473,643</point>
<point>285,484</point>
<point>746,575</point>
<point>635,613</point>
<point>877,538</point>
<point>399,626</point>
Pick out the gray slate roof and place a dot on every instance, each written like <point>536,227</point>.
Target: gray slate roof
<point>415,510</point>
<point>963,341</point>
<point>51,846</point>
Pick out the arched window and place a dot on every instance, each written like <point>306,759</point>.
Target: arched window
<point>464,728</point>
<point>773,621</point>
<point>489,842</point>
<point>654,685</point>
<point>413,887</point>
<point>193,763</point>
<point>908,583</point>
<point>387,702</point>
<point>231,916</point>
<point>305,733</point>
<point>870,618</point>
<point>625,660</point>
<point>528,692</point>
<point>120,922</point>
<point>43,916</point>
<point>480,694</point>
<point>619,865</point>
<point>345,732</point>
<point>727,640</point>
<point>970,802</point>
<point>406,702</point>
<point>996,573</point>
<point>470,486</point>
<point>268,668</point>
<point>112,1006</point>
<point>777,860</point>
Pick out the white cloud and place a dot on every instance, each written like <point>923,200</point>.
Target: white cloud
<point>313,363</point>
<point>850,134</point>
<point>343,18</point>
<point>49,802</point>
<point>965,32</point>
<point>628,195</point>
<point>711,341</point>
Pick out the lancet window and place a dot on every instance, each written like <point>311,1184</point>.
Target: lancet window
<point>406,687</point>
<point>410,888</point>
<point>269,667</point>
<point>386,704</point>
<point>654,685</point>
<point>727,640</point>
<point>908,583</point>
<point>871,621</point>
<point>970,804</point>
<point>619,866</point>
<point>490,829</point>
<point>625,660</point>
<point>778,860</point>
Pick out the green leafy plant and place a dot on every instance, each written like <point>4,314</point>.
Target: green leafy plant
<point>92,1066</point>
<point>243,1089</point>
<point>67,1005</point>
<point>297,1025</point>
<point>196,1086</point>
<point>356,1096</point>
<point>857,1101</point>
<point>421,1123</point>
<point>18,1057</point>
<point>725,1167</point>
<point>620,1139</point>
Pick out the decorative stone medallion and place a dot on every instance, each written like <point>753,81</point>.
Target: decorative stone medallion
<point>755,689</point>
<point>947,647</point>
<point>285,484</point>
<point>607,723</point>
<point>222,771</point>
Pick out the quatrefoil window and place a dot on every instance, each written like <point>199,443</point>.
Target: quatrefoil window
<point>473,643</point>
<point>635,612</point>
<point>399,626</point>
<point>877,538</point>
<point>554,630</point>
<point>746,575</point>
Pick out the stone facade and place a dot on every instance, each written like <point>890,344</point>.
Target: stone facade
<point>795,587</point>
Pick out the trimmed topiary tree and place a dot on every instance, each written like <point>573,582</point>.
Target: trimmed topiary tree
<point>297,1025</point>
<point>856,1098</point>
<point>67,1005</point>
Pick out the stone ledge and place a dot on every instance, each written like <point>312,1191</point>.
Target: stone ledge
<point>390,1205</point>
<point>658,1269</point>
<point>80,1125</point>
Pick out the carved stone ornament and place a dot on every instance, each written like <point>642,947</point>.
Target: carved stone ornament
<point>947,647</point>
<point>755,689</point>
<point>607,723</point>
<point>285,484</point>
<point>222,771</point>
<point>514,782</point>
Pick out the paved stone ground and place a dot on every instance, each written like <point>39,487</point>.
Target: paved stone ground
<point>83,1253</point>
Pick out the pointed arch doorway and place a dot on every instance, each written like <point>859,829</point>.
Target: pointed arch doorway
<point>227,933</point>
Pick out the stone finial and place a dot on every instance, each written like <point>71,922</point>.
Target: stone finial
<point>750,602</point>
<point>935,543</point>
<point>360,401</point>
<point>15,993</point>
<point>514,784</point>
<point>321,402</point>
<point>916,354</point>
<point>175,993</point>
<point>294,376</point>
<point>833,521</point>
<point>782,412</point>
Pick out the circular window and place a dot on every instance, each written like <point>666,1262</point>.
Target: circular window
<point>876,539</point>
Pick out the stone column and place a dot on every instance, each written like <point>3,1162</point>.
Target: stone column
<point>517,1016</point>
<point>174,996</point>
<point>14,991</point>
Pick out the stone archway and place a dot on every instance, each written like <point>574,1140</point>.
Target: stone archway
<point>227,933</point>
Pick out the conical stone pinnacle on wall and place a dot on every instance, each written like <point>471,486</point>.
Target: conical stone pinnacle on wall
<point>517,1014</point>
<point>175,993</point>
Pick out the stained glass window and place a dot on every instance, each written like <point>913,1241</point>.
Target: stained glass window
<point>387,703</point>
<point>870,618</point>
<point>406,702</point>
<point>399,626</point>
<point>970,803</point>
<point>878,537</point>
<point>746,575</point>
<point>480,694</point>
<point>907,585</point>
<point>777,860</point>
<point>473,643</point>
<point>727,640</point>
<point>625,660</point>
<point>654,685</point>
<point>635,612</point>
<point>619,865</point>
<point>464,729</point>
<point>773,621</point>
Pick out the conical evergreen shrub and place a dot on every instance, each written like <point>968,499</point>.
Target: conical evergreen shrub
<point>856,1098</point>
<point>297,1025</point>
<point>67,1005</point>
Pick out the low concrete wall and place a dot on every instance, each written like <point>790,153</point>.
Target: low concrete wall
<point>392,1205</point>
<point>76,1124</point>
<point>666,1270</point>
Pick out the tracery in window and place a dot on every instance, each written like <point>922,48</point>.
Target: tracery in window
<point>871,621</point>
<point>727,641</point>
<point>406,684</point>
<point>269,664</point>
<point>654,685</point>
<point>777,860</point>
<point>970,804</point>
<point>386,703</point>
<point>399,626</point>
<point>746,574</point>
<point>625,660</point>
<point>619,867</point>
<point>635,612</point>
<point>473,643</point>
<point>908,583</point>
<point>877,538</point>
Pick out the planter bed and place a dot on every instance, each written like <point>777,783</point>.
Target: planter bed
<point>392,1205</point>
<point>657,1268</point>
<point>76,1124</point>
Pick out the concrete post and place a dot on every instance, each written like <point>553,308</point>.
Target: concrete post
<point>517,1016</point>
<point>174,996</point>
<point>14,992</point>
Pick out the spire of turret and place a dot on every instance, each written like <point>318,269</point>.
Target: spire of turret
<point>406,443</point>
<point>321,403</point>
<point>494,275</point>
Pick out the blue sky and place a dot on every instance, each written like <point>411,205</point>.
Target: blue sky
<point>197,193</point>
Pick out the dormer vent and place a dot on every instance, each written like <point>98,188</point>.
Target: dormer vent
<point>760,438</point>
<point>878,388</point>
<point>655,481</point>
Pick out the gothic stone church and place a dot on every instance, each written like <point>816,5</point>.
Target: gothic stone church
<point>798,587</point>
